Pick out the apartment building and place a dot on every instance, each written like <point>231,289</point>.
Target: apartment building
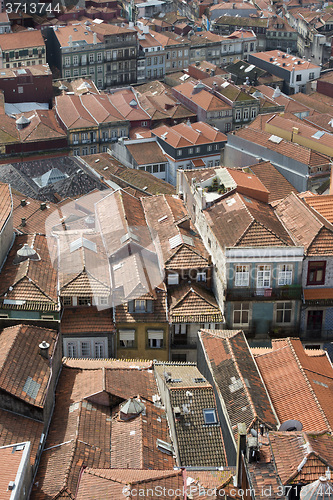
<point>23,48</point>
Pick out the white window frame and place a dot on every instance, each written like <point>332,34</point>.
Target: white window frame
<point>285,276</point>
<point>264,276</point>
<point>73,347</point>
<point>155,339</point>
<point>180,328</point>
<point>201,276</point>
<point>173,279</point>
<point>242,275</point>
<point>126,339</point>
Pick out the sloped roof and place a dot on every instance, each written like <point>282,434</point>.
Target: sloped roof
<point>86,321</point>
<point>32,281</point>
<point>237,378</point>
<point>322,204</point>
<point>301,456</point>
<point>307,227</point>
<point>201,96</point>
<point>21,40</point>
<point>27,380</point>
<point>191,303</point>
<point>275,182</point>
<point>146,153</point>
<point>237,220</point>
<point>169,220</point>
<point>5,203</point>
<point>300,386</point>
<point>85,432</point>
<point>112,483</point>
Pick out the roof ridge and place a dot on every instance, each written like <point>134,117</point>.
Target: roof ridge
<point>241,377</point>
<point>308,384</point>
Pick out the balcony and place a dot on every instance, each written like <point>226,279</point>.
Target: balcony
<point>291,292</point>
<point>319,335</point>
<point>183,343</point>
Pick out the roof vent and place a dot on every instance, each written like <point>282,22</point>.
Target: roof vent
<point>133,103</point>
<point>23,203</point>
<point>63,87</point>
<point>90,221</point>
<point>43,206</point>
<point>131,409</point>
<point>11,485</point>
<point>277,92</point>
<point>22,122</point>
<point>26,253</point>
<point>44,349</point>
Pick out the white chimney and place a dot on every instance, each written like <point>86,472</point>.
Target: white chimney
<point>146,29</point>
<point>44,349</point>
<point>94,38</point>
<point>70,41</point>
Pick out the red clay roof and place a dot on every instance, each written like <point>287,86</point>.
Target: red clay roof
<point>86,320</point>
<point>10,459</point>
<point>21,40</point>
<point>275,182</point>
<point>191,303</point>
<point>322,204</point>
<point>5,203</point>
<point>294,382</point>
<point>21,343</point>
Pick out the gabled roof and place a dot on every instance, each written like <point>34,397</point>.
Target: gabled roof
<point>27,379</point>
<point>21,40</point>
<point>183,134</point>
<point>237,378</point>
<point>179,243</point>
<point>191,303</point>
<point>86,320</point>
<point>200,95</point>
<point>31,283</point>
<point>275,182</point>
<point>85,431</point>
<point>114,483</point>
<point>301,457</point>
<point>237,220</point>
<point>322,204</point>
<point>6,204</point>
<point>146,153</point>
<point>126,102</point>
<point>307,227</point>
<point>300,386</point>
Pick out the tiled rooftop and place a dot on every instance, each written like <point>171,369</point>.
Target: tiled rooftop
<point>32,283</point>
<point>85,430</point>
<point>27,380</point>
<point>276,183</point>
<point>149,152</point>
<point>307,227</point>
<point>191,303</point>
<point>86,320</point>
<point>201,97</point>
<point>238,379</point>
<point>20,40</point>
<point>282,57</point>
<point>5,203</point>
<point>237,220</point>
<point>300,386</point>
<point>322,204</point>
<point>11,458</point>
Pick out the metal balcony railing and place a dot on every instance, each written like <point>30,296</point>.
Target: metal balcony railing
<point>291,292</point>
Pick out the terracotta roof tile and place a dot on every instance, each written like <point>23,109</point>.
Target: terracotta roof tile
<point>5,203</point>
<point>237,378</point>
<point>275,182</point>
<point>294,394</point>
<point>286,148</point>
<point>322,204</point>
<point>202,98</point>
<point>148,153</point>
<point>191,303</point>
<point>34,282</point>
<point>15,428</point>
<point>110,483</point>
<point>86,320</point>
<point>307,227</point>
<point>21,342</point>
<point>10,463</point>
<point>21,40</point>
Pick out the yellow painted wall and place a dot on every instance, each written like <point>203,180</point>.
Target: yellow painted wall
<point>141,350</point>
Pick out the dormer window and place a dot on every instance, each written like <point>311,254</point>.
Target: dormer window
<point>173,279</point>
<point>140,306</point>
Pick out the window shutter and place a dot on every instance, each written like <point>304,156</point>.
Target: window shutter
<point>149,306</point>
<point>131,306</point>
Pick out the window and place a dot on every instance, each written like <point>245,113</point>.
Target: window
<point>75,60</point>
<point>210,416</point>
<point>173,279</point>
<point>155,339</point>
<point>210,163</point>
<point>85,349</point>
<point>316,273</point>
<point>67,301</point>
<point>264,276</point>
<point>20,90</point>
<point>197,149</point>
<point>241,313</point>
<point>127,338</point>
<point>242,276</point>
<point>238,114</point>
<point>201,276</point>
<point>67,61</point>
<point>162,167</point>
<point>99,69</point>
<point>283,312</point>
<point>67,73</point>
<point>209,147</point>
<point>190,151</point>
<point>76,72</point>
<point>298,78</point>
<point>99,57</point>
<point>246,114</point>
<point>148,60</point>
<point>104,301</point>
<point>180,328</point>
<point>285,274</point>
<point>179,152</point>
<point>311,76</point>
<point>253,112</point>
<point>99,350</point>
<point>91,58</point>
<point>84,301</point>
<point>72,349</point>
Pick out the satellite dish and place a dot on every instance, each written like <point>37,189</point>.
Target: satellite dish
<point>291,425</point>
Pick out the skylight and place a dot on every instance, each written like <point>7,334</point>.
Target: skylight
<point>210,416</point>
<point>82,242</point>
<point>318,134</point>
<point>31,388</point>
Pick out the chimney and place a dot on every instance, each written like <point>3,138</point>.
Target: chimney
<point>44,349</point>
<point>241,448</point>
<point>295,130</point>
<point>43,206</point>
<point>94,38</point>
<point>23,221</point>
<point>70,41</point>
<point>23,203</point>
